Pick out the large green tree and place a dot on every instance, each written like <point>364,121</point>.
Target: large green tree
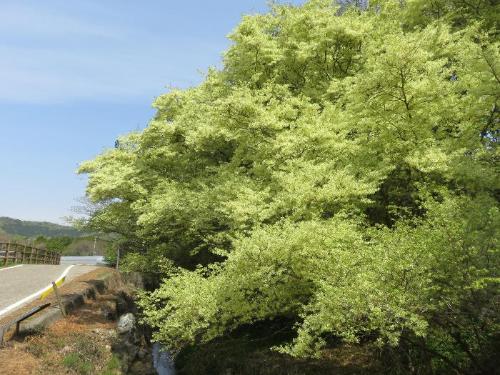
<point>341,171</point>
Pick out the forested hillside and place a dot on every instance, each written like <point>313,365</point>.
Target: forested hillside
<point>14,227</point>
<point>62,238</point>
<point>337,178</point>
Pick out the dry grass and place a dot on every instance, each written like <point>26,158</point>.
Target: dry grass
<point>80,344</point>
<point>14,361</point>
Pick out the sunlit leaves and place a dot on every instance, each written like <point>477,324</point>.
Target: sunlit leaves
<point>339,171</point>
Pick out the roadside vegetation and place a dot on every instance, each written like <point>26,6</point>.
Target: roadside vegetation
<point>79,246</point>
<point>336,180</point>
<point>64,239</point>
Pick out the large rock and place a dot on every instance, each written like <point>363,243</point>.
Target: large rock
<point>131,347</point>
<point>126,324</point>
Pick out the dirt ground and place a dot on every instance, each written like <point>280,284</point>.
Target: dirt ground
<point>79,344</point>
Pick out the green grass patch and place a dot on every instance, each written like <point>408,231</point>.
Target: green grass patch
<point>112,367</point>
<point>75,362</point>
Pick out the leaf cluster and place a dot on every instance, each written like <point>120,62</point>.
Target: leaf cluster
<point>340,171</point>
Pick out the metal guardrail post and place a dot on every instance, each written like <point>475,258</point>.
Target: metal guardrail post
<point>59,301</point>
<point>2,334</point>
<point>17,321</point>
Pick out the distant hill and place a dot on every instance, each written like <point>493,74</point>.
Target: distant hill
<point>14,227</point>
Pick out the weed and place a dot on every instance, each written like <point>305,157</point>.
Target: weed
<point>75,362</point>
<point>112,367</point>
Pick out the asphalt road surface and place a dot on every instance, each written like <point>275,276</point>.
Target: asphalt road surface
<point>84,260</point>
<point>18,284</point>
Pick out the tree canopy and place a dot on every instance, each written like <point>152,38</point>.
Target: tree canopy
<point>340,170</point>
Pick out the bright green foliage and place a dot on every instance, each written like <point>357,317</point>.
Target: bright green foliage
<point>54,243</point>
<point>341,171</point>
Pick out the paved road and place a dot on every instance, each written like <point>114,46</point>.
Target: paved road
<point>18,283</point>
<point>84,260</point>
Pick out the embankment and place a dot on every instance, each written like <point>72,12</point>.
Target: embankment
<point>100,334</point>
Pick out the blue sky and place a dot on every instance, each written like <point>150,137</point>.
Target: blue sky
<point>74,75</point>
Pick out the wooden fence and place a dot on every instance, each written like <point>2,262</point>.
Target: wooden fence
<point>14,253</point>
